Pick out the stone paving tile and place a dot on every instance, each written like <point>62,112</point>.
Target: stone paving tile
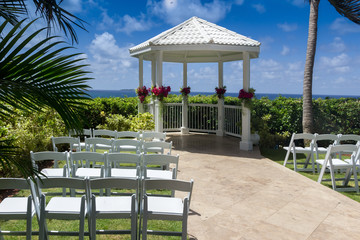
<point>242,195</point>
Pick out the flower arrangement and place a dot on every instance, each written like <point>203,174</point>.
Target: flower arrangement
<point>142,93</point>
<point>220,92</point>
<point>185,91</point>
<point>160,92</point>
<point>246,96</point>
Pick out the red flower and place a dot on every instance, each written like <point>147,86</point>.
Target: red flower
<point>161,92</point>
<point>245,95</point>
<point>142,93</point>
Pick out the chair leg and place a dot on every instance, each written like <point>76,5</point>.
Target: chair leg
<point>144,228</point>
<point>29,228</point>
<point>333,180</point>
<point>184,229</point>
<point>294,159</point>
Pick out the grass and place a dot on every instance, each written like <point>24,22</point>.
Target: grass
<point>278,156</point>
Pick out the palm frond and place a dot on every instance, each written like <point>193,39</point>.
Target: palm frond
<point>40,76</point>
<point>348,8</point>
<point>11,10</point>
<point>51,11</point>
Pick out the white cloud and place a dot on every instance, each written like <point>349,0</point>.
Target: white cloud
<point>337,45</point>
<point>285,50</point>
<point>287,27</point>
<point>339,64</point>
<point>131,24</point>
<point>336,61</point>
<point>343,26</point>
<point>260,8</point>
<point>239,2</point>
<point>298,3</point>
<point>112,65</point>
<point>73,6</point>
<point>176,11</point>
<point>339,80</point>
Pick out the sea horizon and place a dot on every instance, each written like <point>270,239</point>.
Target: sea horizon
<point>131,93</point>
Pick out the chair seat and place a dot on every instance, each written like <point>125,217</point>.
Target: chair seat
<point>103,146</point>
<point>114,205</point>
<point>88,172</point>
<point>154,149</point>
<point>53,172</point>
<point>16,206</point>
<point>321,150</point>
<point>299,149</point>
<point>67,205</point>
<point>127,148</point>
<point>165,205</point>
<point>337,163</point>
<point>150,173</point>
<point>121,172</point>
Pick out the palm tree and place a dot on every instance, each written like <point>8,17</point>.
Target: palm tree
<point>39,76</point>
<point>347,8</point>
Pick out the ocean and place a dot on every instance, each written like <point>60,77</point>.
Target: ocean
<point>131,93</point>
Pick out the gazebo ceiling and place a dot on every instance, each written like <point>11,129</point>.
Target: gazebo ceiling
<point>197,40</point>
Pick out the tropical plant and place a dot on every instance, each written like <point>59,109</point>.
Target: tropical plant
<point>49,10</point>
<point>347,8</point>
<point>31,78</point>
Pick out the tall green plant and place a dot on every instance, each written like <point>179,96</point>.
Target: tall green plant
<point>39,76</point>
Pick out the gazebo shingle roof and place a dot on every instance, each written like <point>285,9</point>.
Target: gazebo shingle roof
<point>196,31</point>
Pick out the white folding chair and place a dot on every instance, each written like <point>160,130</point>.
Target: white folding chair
<point>84,133</point>
<point>157,147</point>
<point>128,134</point>
<point>347,139</point>
<point>14,208</point>
<point>126,145</point>
<point>88,164</point>
<point>104,133</point>
<point>62,208</point>
<point>152,136</point>
<point>165,208</point>
<point>162,160</point>
<point>325,140</point>
<point>74,143</point>
<point>113,207</point>
<point>334,164</point>
<point>123,165</point>
<point>57,157</point>
<point>94,144</point>
<point>295,149</point>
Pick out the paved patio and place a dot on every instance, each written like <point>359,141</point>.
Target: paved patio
<point>242,195</point>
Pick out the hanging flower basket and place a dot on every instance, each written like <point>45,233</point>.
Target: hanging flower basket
<point>220,92</point>
<point>142,93</point>
<point>185,91</point>
<point>246,97</point>
<point>160,92</point>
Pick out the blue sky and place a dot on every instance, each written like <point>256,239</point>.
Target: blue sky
<point>280,25</point>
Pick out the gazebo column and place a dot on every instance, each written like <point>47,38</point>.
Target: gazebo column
<point>158,111</point>
<point>153,83</point>
<point>141,83</point>
<point>184,116</point>
<point>246,143</point>
<point>221,108</point>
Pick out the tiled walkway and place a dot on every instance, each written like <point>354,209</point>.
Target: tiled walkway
<point>242,195</point>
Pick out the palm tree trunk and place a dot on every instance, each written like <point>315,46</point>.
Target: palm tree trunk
<point>309,67</point>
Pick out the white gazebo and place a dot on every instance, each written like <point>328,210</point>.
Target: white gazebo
<point>198,41</point>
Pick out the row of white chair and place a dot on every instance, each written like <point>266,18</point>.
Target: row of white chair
<point>95,207</point>
<point>114,145</point>
<point>313,151</point>
<point>141,135</point>
<point>92,164</point>
<point>331,162</point>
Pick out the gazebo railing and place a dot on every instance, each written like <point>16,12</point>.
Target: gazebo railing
<point>232,120</point>
<point>201,118</point>
<point>172,113</point>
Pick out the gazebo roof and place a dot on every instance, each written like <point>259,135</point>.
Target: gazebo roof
<point>197,40</point>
